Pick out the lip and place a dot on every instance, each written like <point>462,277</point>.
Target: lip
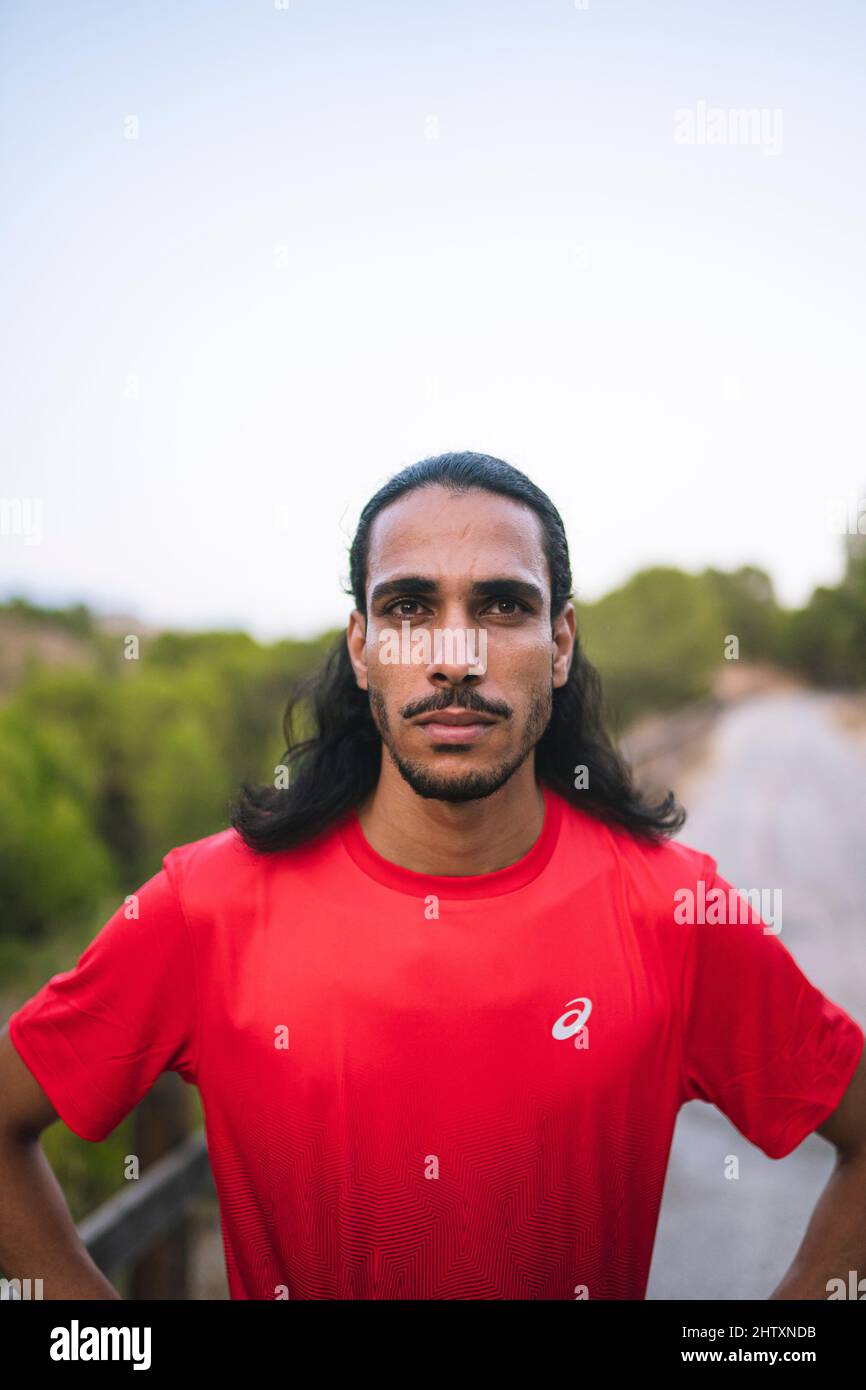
<point>455,727</point>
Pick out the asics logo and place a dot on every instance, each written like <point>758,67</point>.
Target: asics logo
<point>572,1020</point>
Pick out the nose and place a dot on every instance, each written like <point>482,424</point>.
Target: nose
<point>444,676</point>
<point>458,656</point>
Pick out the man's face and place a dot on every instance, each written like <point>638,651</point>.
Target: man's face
<point>470,563</point>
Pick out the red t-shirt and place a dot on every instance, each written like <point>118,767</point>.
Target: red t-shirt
<point>440,1087</point>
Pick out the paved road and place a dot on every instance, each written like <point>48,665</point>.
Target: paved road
<point>782,803</point>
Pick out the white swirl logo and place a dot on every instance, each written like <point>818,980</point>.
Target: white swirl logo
<point>562,1028</point>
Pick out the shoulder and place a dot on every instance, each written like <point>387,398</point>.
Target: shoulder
<point>216,859</point>
<point>223,852</point>
<point>652,875</point>
<point>221,870</point>
<point>210,872</point>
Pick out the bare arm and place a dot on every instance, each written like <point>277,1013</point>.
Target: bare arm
<point>38,1238</point>
<point>835,1239</point>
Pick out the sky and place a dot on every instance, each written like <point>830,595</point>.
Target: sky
<point>260,256</point>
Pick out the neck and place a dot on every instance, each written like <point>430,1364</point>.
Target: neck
<point>453,837</point>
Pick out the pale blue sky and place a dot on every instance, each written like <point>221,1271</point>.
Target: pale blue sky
<point>348,236</point>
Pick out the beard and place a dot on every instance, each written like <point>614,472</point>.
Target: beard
<point>463,786</point>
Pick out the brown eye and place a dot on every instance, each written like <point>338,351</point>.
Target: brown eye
<point>402,603</point>
<point>518,607</point>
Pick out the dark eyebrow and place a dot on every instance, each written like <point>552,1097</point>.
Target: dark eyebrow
<point>516,588</point>
<point>482,588</point>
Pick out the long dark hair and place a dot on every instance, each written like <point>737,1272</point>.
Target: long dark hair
<point>333,749</point>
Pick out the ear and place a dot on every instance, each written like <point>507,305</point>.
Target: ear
<point>356,641</point>
<point>564,632</point>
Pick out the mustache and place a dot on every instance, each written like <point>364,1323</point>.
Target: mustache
<point>457,699</point>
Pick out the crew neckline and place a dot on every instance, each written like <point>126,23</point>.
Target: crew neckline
<point>457,886</point>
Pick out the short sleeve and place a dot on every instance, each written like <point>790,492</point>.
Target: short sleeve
<point>96,1037</point>
<point>760,1042</point>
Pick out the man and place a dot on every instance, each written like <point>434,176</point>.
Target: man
<point>438,993</point>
